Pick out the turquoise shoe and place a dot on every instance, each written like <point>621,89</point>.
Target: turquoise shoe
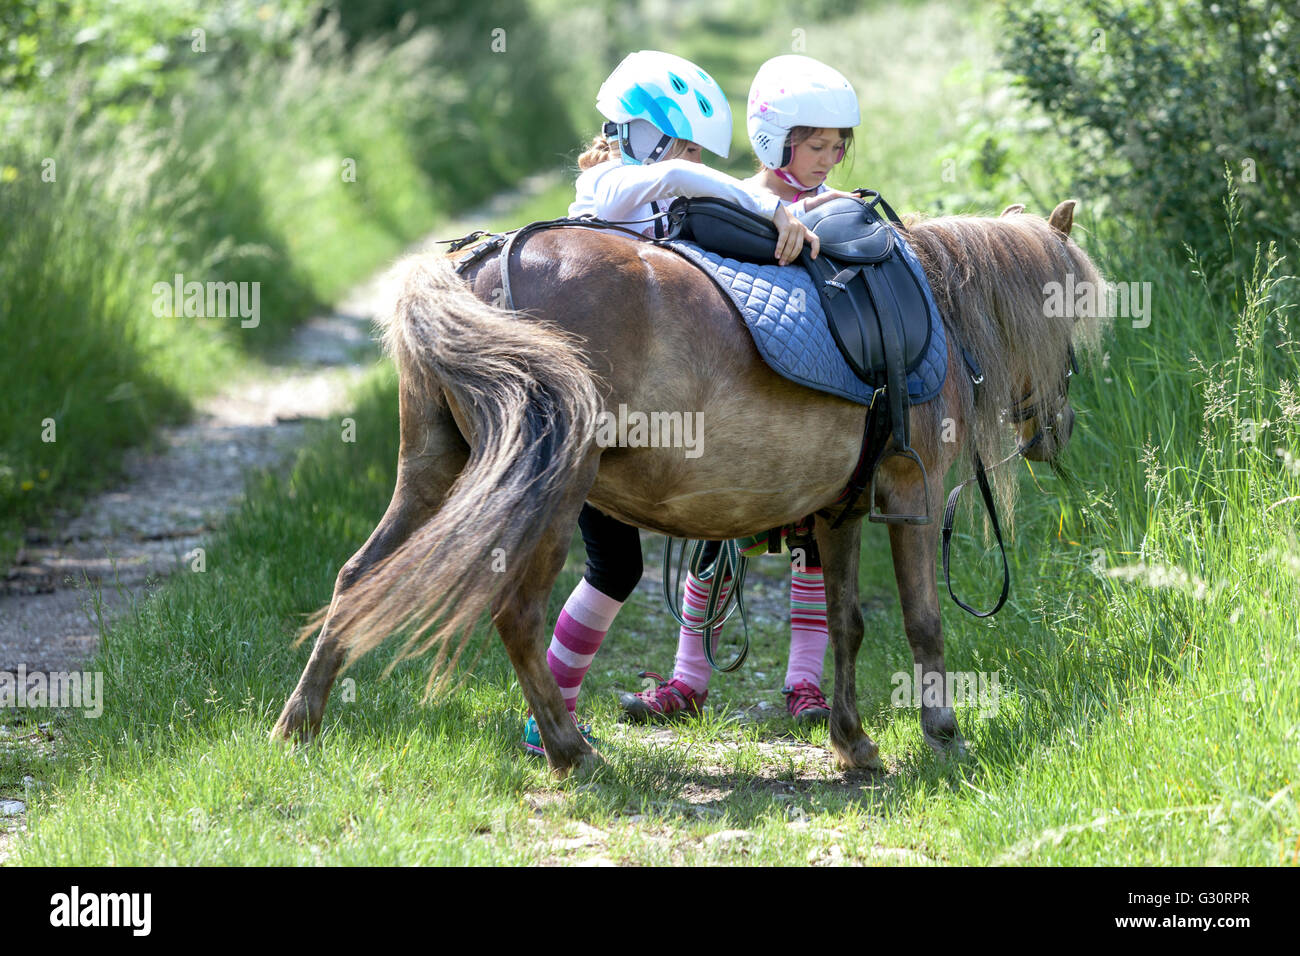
<point>533,738</point>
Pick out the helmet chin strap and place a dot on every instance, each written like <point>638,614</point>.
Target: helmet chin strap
<point>623,132</point>
<point>790,180</point>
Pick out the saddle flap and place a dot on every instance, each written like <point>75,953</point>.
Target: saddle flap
<point>850,231</point>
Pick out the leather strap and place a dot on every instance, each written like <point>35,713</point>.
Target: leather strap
<point>950,511</point>
<point>728,563</point>
<point>890,319</point>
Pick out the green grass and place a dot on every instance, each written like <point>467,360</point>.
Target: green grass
<point>1140,723</point>
<point>1147,661</point>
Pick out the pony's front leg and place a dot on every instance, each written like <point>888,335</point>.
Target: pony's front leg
<point>913,549</point>
<point>839,550</point>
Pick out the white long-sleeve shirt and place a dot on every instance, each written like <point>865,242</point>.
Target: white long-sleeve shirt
<point>613,191</point>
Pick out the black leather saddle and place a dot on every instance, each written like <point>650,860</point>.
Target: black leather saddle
<point>869,291</point>
<point>874,300</point>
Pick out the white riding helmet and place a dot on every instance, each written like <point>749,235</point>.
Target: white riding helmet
<point>790,91</point>
<point>652,98</point>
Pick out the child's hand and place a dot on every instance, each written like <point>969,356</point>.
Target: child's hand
<point>792,234</point>
<point>815,201</point>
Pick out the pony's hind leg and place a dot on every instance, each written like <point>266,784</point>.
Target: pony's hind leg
<point>432,455</point>
<point>520,616</point>
<point>839,550</point>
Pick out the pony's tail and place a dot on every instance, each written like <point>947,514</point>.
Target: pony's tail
<point>529,404</point>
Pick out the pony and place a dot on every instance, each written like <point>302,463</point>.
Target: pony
<point>498,416</point>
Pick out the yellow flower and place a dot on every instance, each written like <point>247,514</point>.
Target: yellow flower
<point>28,485</point>
<point>44,474</point>
<point>8,174</point>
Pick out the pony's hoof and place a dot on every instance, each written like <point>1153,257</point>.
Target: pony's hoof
<point>953,748</point>
<point>295,724</point>
<point>582,769</point>
<point>863,755</point>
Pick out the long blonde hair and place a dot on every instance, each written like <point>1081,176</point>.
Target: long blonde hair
<point>603,148</point>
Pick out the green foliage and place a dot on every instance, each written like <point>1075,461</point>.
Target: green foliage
<point>278,150</point>
<point>1158,98</point>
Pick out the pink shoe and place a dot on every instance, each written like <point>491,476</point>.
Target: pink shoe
<point>671,700</point>
<point>806,704</point>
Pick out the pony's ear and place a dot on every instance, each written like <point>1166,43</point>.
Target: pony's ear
<point>1062,217</point>
<point>1014,209</point>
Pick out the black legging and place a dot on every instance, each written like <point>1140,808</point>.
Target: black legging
<point>614,563</point>
<point>613,553</point>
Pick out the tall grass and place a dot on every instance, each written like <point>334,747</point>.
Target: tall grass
<point>300,172</point>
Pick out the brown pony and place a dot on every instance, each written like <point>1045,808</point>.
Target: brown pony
<point>499,446</point>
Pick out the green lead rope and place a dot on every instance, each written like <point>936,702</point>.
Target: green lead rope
<point>730,563</point>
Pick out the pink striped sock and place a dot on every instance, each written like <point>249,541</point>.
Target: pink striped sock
<point>808,634</point>
<point>583,623</point>
<point>692,667</point>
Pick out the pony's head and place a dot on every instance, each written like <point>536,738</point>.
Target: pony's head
<point>1020,296</point>
<point>1045,421</point>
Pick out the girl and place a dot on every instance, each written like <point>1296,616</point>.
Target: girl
<point>661,109</point>
<point>800,119</point>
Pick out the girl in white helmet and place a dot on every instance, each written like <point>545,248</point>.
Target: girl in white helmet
<point>661,109</point>
<point>801,116</point>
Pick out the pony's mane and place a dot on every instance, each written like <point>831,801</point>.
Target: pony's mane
<point>990,279</point>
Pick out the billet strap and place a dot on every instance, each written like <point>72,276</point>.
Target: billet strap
<point>717,611</point>
<point>875,432</point>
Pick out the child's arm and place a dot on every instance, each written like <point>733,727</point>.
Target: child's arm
<point>621,192</point>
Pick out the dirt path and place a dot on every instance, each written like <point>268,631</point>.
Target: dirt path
<point>69,581</point>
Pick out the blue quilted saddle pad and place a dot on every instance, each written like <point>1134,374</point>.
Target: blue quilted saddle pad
<point>784,313</point>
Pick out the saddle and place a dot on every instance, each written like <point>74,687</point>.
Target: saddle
<point>870,285</point>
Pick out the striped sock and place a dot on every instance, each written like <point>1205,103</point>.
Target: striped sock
<point>692,667</point>
<point>586,617</point>
<point>808,634</point>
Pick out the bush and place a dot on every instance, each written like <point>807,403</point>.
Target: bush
<point>1159,98</point>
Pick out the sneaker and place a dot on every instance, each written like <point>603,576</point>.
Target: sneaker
<point>671,700</point>
<point>806,704</point>
<point>533,737</point>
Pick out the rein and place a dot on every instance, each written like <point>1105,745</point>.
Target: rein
<point>728,565</point>
<point>1019,414</point>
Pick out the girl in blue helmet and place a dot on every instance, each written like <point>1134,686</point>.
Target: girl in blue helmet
<point>662,110</point>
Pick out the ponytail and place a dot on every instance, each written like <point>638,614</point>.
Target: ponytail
<point>602,148</point>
